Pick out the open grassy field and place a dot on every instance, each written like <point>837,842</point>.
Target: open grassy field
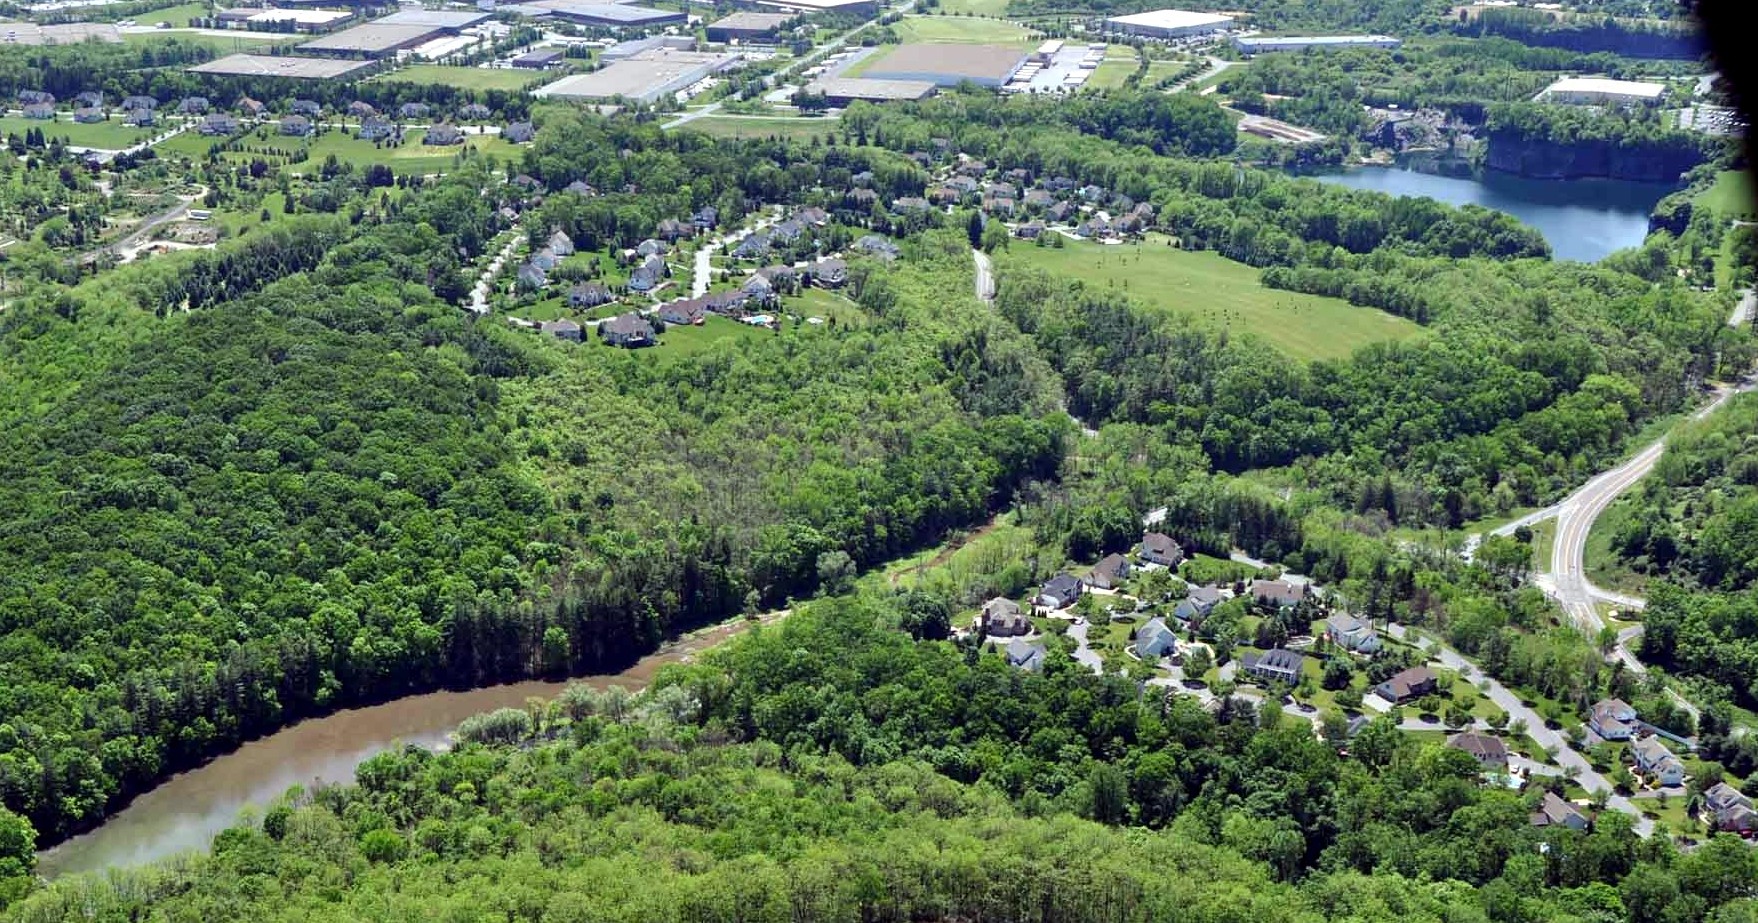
<point>680,342</point>
<point>995,8</point>
<point>1223,295</point>
<point>1731,196</point>
<point>798,129</point>
<point>110,135</point>
<point>1604,566</point>
<point>410,157</point>
<point>466,78</point>
<point>816,302</point>
<point>178,16</point>
<point>963,29</point>
<point>225,44</point>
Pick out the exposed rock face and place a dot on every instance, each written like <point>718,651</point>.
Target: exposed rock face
<point>1542,159</point>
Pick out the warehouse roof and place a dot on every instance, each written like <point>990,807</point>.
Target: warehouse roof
<point>636,78</point>
<point>434,19</point>
<point>1607,87</point>
<point>68,33</point>
<point>874,90</point>
<point>952,62</point>
<point>262,65</point>
<point>371,37</point>
<point>750,21</point>
<point>618,13</point>
<point>1172,19</point>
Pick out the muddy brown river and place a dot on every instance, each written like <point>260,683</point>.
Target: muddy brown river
<point>187,810</point>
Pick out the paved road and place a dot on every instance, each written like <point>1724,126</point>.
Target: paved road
<point>985,275</point>
<point>1216,66</point>
<point>1552,741</point>
<point>485,282</point>
<point>1745,310</point>
<point>126,247</point>
<point>1083,653</point>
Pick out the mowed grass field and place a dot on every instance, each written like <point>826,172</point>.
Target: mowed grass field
<point>410,157</point>
<point>1223,295</point>
<point>963,29</point>
<point>1732,194</point>
<point>996,8</point>
<point>467,78</point>
<point>111,135</point>
<point>225,44</point>
<point>1120,61</point>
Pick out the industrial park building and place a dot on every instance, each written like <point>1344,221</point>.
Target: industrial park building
<point>390,34</point>
<point>1599,91</point>
<point>847,7</point>
<point>290,66</point>
<point>840,91</point>
<point>602,15</point>
<point>948,65</point>
<point>1169,24</point>
<point>643,78</point>
<point>747,26</point>
<point>1260,44</point>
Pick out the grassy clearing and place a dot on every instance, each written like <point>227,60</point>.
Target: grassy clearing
<point>1605,567</point>
<point>1112,73</point>
<point>178,16</point>
<point>224,44</point>
<point>680,342</point>
<point>994,8</point>
<point>963,29</point>
<point>466,78</point>
<point>1732,194</point>
<point>790,128</point>
<point>1223,295</point>
<point>110,135</point>
<point>816,302</point>
<point>1544,537</point>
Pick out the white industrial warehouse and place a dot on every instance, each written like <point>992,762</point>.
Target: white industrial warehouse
<point>1169,24</point>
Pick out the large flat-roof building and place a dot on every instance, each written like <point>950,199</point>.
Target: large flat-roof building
<point>308,20</point>
<point>390,34</point>
<point>262,65</point>
<point>644,78</point>
<point>840,91</point>
<point>848,7</point>
<point>590,13</point>
<point>1599,91</point>
<point>1169,24</point>
<point>1264,44</point>
<point>447,20</point>
<point>948,65</point>
<point>747,26</point>
<point>67,33</point>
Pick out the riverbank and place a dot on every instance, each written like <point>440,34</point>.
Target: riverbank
<point>184,812</point>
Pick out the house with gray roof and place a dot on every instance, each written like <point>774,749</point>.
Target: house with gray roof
<point>1274,666</point>
<point>1552,811</point>
<point>1655,761</point>
<point>1002,617</point>
<point>1197,603</point>
<point>629,331</point>
<point>1160,548</point>
<point>1352,634</point>
<point>1154,640</point>
<point>1110,573</point>
<point>1025,655</point>
<point>590,295</point>
<point>1489,751</point>
<point>1061,591</point>
<point>562,329</point>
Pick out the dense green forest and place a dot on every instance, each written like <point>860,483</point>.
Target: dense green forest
<point>903,780</point>
<point>1534,139</point>
<point>1595,30</point>
<point>1397,17</point>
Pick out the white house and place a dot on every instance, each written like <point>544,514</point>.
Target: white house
<point>1654,760</point>
<point>1612,719</point>
<point>1352,634</point>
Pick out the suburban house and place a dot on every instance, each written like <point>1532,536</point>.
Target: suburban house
<point>1110,572</point>
<point>706,219</point>
<point>90,115</point>
<point>827,273</point>
<point>89,98</point>
<point>297,126</point>
<point>193,105</point>
<point>442,134</point>
<point>673,230</point>
<point>531,277</point>
<point>412,111</point>
<point>250,107</point>
<point>560,243</point>
<point>1279,593</point>
<point>218,123</point>
<point>1352,634</point>
<point>140,118</point>
<point>1654,760</point>
<point>1197,603</point>
<point>861,198</point>
<point>753,246</point>
<point>1489,751</point>
<point>627,330</point>
<point>1155,640</point>
<point>473,111</point>
<point>687,312</point>
<point>1733,811</point>
<point>563,329</point>
<point>1025,655</point>
<point>518,132</point>
<point>1060,212</point>
<point>39,110</point>
<point>310,108</point>
<point>878,246</point>
<point>361,109</point>
<point>131,103</point>
<point>30,97</point>
<point>1031,230</point>
<point>1060,592</point>
<point>375,129</point>
<point>1276,666</point>
<point>1160,548</point>
<point>1612,719</point>
<point>1555,812</point>
<point>1413,683</point>
<point>648,275</point>
<point>1004,618</point>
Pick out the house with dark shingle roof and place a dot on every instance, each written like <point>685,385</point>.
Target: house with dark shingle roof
<point>297,126</point>
<point>1405,685</point>
<point>1552,811</point>
<point>32,97</point>
<point>648,275</point>
<point>1276,666</point>
<point>878,246</point>
<point>1282,594</point>
<point>1110,572</point>
<point>590,295</point>
<point>1160,548</point>
<point>138,101</point>
<point>1061,591</point>
<point>90,115</point>
<point>531,277</point>
<point>412,111</point>
<point>518,132</point>
<point>193,105</point>
<point>1352,633</point>
<point>1489,751</point>
<point>1197,603</point>
<point>629,331</point>
<point>562,329</point>
<point>373,128</point>
<point>310,108</point>
<point>830,273</point>
<point>687,312</point>
<point>442,135</point>
<point>219,123</point>
<point>39,111</point>
<point>140,118</point>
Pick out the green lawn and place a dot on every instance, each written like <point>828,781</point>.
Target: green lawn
<point>1223,295</point>
<point>963,29</point>
<point>1605,567</point>
<point>790,128</point>
<point>110,135</point>
<point>996,8</point>
<point>220,43</point>
<point>466,78</point>
<point>816,302</point>
<point>1111,73</point>
<point>410,157</point>
<point>178,16</point>
<point>1732,194</point>
<point>1544,538</point>
<point>679,342</point>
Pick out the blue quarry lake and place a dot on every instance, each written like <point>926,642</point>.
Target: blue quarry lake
<point>1585,219</point>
